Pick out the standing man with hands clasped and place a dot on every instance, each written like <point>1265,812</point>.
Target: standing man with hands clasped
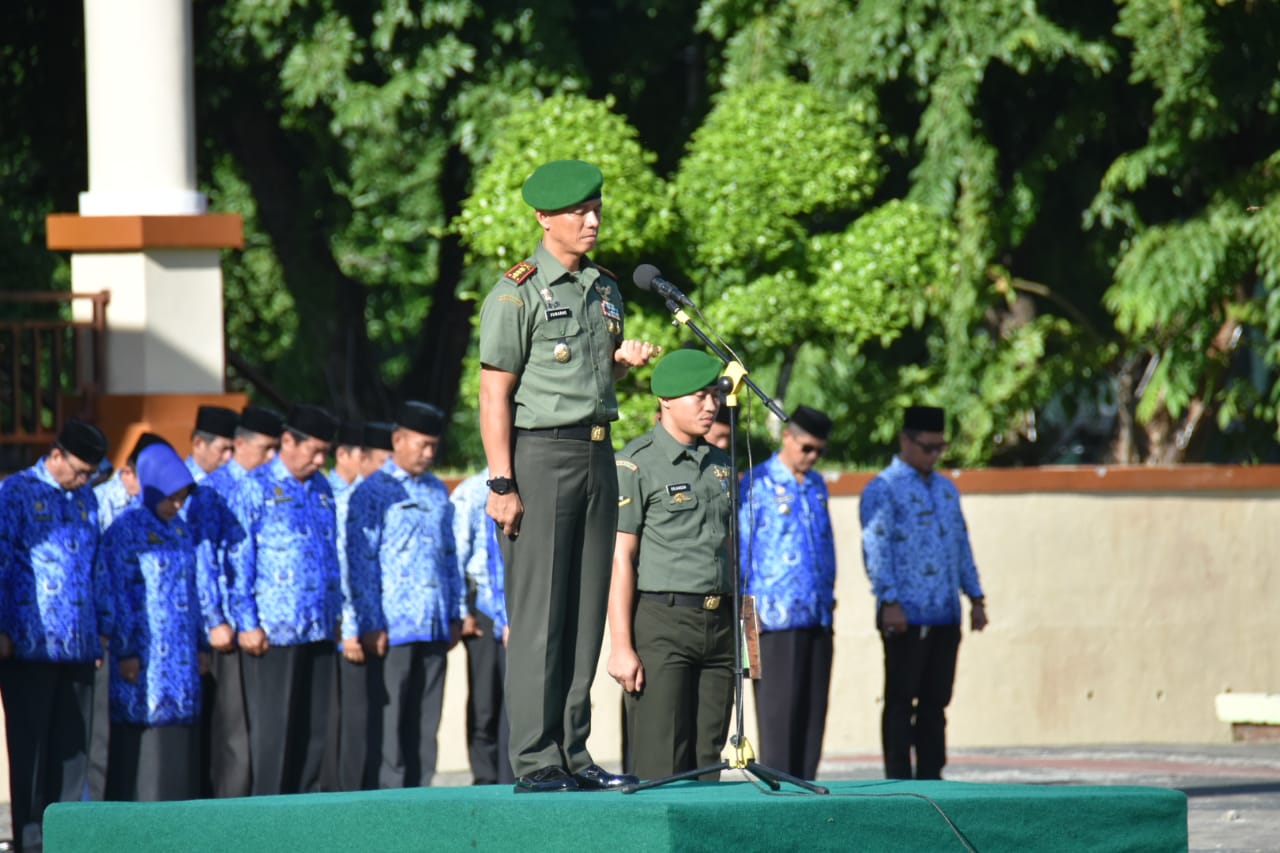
<point>916,548</point>
<point>551,347</point>
<point>788,558</point>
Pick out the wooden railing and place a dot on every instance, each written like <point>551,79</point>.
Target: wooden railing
<point>52,366</point>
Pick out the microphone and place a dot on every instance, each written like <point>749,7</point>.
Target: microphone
<point>647,277</point>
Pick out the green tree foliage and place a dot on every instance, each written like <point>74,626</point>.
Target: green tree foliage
<point>1058,219</point>
<point>1194,294</point>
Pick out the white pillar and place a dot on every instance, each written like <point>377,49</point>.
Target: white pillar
<point>141,89</point>
<point>143,232</point>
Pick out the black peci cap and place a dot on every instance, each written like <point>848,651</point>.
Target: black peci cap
<point>144,441</point>
<point>312,421</point>
<point>812,421</point>
<point>217,420</point>
<point>421,417</point>
<point>82,440</point>
<point>377,435</point>
<point>262,420</point>
<point>350,435</point>
<point>924,419</point>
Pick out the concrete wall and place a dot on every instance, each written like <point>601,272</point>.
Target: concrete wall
<point>1120,606</point>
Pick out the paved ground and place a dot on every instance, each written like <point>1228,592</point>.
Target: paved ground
<point>1233,790</point>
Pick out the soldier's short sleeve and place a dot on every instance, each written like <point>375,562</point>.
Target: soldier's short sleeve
<point>504,339</point>
<point>630,497</point>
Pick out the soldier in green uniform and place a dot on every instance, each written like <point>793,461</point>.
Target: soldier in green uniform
<point>551,347</point>
<point>670,606</point>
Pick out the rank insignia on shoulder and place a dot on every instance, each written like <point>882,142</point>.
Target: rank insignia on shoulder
<point>606,271</point>
<point>521,272</point>
<point>626,463</point>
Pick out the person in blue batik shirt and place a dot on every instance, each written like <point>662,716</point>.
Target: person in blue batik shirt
<point>117,494</point>
<point>122,490</point>
<point>211,440</point>
<point>916,549</point>
<point>55,613</point>
<point>407,592</point>
<point>788,560</point>
<point>285,602</point>
<point>158,632</point>
<point>224,734</point>
<point>475,534</point>
<point>350,763</point>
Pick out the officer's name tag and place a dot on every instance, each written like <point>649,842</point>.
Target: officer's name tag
<point>678,488</point>
<point>559,313</point>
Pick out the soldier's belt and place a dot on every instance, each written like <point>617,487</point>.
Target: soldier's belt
<point>580,432</point>
<point>684,599</point>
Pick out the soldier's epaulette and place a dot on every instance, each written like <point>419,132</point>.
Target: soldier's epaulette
<point>521,271</point>
<point>613,275</point>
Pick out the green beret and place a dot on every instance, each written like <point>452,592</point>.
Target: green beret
<point>562,183</point>
<point>683,372</point>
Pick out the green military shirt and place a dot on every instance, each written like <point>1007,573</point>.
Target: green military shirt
<point>557,331</point>
<point>675,498</point>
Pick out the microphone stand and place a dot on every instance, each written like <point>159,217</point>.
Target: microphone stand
<point>743,756</point>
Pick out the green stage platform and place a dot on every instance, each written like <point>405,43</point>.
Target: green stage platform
<point>729,816</point>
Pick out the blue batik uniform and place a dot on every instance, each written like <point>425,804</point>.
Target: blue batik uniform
<point>215,529</point>
<point>342,491</point>
<point>479,555</point>
<point>113,499</point>
<point>787,553</point>
<point>915,544</point>
<point>402,562</point>
<point>158,619</point>
<point>284,572</point>
<point>55,600</point>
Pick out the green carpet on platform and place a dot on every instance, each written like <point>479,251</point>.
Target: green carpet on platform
<point>729,816</point>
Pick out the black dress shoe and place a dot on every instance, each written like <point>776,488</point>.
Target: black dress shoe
<point>547,779</point>
<point>596,778</point>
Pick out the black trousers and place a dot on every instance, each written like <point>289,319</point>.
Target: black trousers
<point>354,744</point>
<point>287,692</point>
<point>791,698</point>
<point>48,710</point>
<point>919,671</point>
<point>487,732</point>
<point>409,711</point>
<point>153,763</point>
<point>681,720</point>
<point>227,767</point>
<point>100,734</point>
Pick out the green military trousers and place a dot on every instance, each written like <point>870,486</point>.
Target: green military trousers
<point>681,720</point>
<point>557,589</point>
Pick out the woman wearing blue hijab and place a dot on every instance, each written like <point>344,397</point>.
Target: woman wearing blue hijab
<point>155,686</point>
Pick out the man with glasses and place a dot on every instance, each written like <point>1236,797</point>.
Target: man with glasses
<point>55,609</point>
<point>916,549</point>
<point>788,561</point>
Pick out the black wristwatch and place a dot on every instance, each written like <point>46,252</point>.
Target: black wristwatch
<point>501,485</point>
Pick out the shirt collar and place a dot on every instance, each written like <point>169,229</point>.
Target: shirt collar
<point>673,450</point>
<point>554,272</point>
